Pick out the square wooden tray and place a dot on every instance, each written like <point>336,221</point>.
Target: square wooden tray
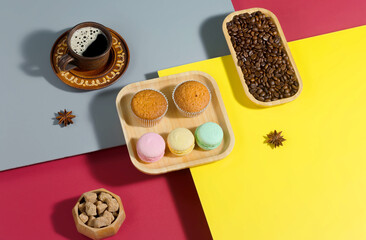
<point>215,112</point>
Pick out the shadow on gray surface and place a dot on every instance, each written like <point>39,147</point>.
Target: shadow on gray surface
<point>151,75</point>
<point>213,38</point>
<point>36,49</point>
<point>55,120</point>
<point>105,118</point>
<point>216,46</point>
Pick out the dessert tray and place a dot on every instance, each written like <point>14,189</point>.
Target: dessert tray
<point>215,112</point>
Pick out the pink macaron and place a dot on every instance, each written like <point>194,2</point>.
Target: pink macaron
<point>150,147</point>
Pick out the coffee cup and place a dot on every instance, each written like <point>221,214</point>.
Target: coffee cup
<point>89,46</point>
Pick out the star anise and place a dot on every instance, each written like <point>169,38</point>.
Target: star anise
<point>275,138</point>
<point>65,117</point>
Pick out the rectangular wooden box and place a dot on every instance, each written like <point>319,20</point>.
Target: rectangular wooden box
<point>241,75</point>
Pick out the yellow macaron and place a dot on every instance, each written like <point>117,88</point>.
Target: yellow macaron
<point>180,141</point>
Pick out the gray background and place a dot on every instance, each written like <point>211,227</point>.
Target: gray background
<point>160,34</point>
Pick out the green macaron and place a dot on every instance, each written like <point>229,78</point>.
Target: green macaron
<point>209,136</point>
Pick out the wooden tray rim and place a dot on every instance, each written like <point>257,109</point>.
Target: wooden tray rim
<point>178,166</point>
<point>241,75</point>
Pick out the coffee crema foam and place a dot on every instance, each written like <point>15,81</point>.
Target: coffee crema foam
<point>83,38</point>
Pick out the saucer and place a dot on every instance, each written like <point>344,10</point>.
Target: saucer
<point>95,79</point>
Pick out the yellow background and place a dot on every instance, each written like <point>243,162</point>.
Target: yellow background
<point>314,187</point>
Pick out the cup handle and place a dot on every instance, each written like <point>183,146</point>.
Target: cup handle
<point>65,63</point>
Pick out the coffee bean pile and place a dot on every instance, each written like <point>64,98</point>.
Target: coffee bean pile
<point>262,57</point>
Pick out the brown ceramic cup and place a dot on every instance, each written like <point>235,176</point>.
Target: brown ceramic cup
<point>73,60</point>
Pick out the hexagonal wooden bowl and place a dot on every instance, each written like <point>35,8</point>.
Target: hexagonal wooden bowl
<point>99,233</point>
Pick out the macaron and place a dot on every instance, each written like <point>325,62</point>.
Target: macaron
<point>150,147</point>
<point>180,141</point>
<point>209,136</point>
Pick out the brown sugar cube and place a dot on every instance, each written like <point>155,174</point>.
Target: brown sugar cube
<point>101,222</point>
<point>112,205</point>
<point>82,207</point>
<point>83,217</point>
<point>90,222</point>
<point>101,207</point>
<point>90,209</point>
<point>90,197</point>
<point>115,214</point>
<point>104,196</point>
<point>109,216</point>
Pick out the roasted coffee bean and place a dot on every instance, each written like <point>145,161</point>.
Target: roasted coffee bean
<point>253,85</point>
<point>265,64</point>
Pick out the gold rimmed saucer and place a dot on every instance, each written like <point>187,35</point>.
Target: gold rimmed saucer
<point>94,79</point>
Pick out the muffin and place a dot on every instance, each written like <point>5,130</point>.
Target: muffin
<point>209,136</point>
<point>149,106</point>
<point>150,147</point>
<point>180,141</point>
<point>191,98</point>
